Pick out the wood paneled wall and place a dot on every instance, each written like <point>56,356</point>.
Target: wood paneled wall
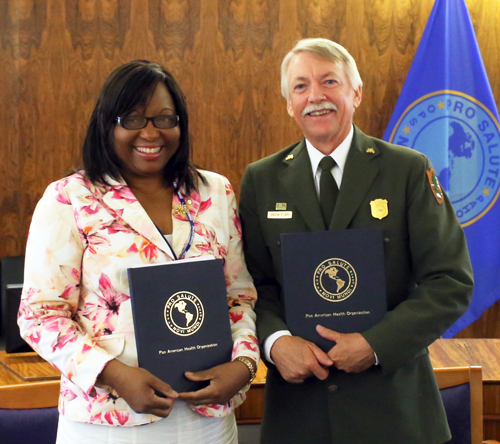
<point>226,54</point>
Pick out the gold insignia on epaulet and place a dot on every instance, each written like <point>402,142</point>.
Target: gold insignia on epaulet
<point>370,150</point>
<point>180,210</point>
<point>289,157</point>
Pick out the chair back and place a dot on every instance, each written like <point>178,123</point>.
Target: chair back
<point>28,413</point>
<point>461,389</point>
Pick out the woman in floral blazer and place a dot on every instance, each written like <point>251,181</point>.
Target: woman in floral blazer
<point>135,202</point>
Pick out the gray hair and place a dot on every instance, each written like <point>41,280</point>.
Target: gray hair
<point>324,49</point>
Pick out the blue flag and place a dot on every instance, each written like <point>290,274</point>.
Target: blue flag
<point>446,110</point>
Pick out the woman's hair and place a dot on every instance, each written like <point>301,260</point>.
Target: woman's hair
<point>128,87</point>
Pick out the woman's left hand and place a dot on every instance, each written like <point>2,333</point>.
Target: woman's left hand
<point>225,381</point>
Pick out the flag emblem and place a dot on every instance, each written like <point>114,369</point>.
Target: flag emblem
<point>467,167</point>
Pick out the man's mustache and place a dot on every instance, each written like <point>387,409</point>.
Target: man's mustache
<point>319,107</point>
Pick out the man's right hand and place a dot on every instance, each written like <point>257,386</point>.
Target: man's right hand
<point>138,387</point>
<point>298,359</point>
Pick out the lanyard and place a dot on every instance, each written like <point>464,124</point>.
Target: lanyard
<point>189,242</point>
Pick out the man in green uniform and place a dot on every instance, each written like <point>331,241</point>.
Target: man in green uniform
<point>375,386</point>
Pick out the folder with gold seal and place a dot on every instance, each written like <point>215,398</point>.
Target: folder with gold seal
<point>335,279</point>
<point>181,318</point>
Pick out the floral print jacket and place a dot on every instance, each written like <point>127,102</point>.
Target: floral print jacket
<point>76,309</point>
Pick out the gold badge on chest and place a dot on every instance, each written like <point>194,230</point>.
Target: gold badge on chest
<point>380,208</point>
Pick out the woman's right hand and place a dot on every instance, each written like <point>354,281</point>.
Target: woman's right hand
<point>137,387</point>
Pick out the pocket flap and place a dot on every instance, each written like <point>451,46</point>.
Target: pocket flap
<point>113,344</point>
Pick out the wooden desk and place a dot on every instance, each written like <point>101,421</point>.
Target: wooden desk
<point>27,367</point>
<point>34,381</point>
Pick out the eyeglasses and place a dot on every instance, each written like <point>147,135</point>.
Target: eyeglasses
<point>140,122</point>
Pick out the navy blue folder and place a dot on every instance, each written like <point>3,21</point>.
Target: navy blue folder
<point>335,279</point>
<point>181,319</point>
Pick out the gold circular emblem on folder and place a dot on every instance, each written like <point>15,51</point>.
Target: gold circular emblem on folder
<point>335,280</point>
<point>184,313</point>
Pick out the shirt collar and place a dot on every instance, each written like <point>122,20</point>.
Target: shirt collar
<point>339,154</point>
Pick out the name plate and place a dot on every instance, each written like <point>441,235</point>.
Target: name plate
<point>279,214</point>
<point>335,279</point>
<point>181,319</point>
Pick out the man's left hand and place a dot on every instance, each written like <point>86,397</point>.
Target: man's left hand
<point>225,381</point>
<point>352,353</point>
